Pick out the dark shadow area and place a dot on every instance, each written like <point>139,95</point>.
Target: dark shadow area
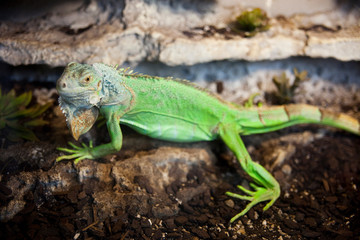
<point>31,73</point>
<point>23,10</point>
<point>348,5</point>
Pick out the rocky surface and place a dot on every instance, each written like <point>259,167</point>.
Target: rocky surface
<point>142,179</point>
<point>174,33</point>
<point>153,189</point>
<point>156,190</point>
<point>323,44</point>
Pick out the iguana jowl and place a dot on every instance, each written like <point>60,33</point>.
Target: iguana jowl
<point>176,111</point>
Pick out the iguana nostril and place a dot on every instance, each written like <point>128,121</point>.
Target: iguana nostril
<point>63,85</point>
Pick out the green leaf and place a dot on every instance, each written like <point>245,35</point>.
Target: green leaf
<point>22,132</point>
<point>15,117</point>
<point>36,122</point>
<point>16,134</point>
<point>39,109</point>
<point>7,105</point>
<point>28,135</point>
<point>13,123</point>
<point>24,99</point>
<point>250,102</point>
<point>11,93</point>
<point>2,123</point>
<point>20,113</point>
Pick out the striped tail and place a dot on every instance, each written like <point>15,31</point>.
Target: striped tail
<point>267,119</point>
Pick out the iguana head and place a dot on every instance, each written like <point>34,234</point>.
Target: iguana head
<point>84,89</point>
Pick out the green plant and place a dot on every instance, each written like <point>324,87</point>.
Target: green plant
<point>16,117</point>
<point>286,91</point>
<point>251,22</point>
<point>250,102</point>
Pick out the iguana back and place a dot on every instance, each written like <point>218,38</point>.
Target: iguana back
<point>175,110</point>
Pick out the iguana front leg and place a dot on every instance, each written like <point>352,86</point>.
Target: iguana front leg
<point>266,187</point>
<point>90,152</point>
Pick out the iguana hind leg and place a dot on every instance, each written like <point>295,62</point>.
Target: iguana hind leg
<point>266,187</point>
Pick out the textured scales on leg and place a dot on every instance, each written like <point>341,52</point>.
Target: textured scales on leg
<point>266,187</point>
<point>176,110</point>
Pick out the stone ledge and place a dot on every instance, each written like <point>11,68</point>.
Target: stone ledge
<point>136,31</point>
<point>343,45</point>
<point>271,45</point>
<point>134,45</point>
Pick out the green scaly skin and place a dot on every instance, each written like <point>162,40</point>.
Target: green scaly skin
<point>179,111</point>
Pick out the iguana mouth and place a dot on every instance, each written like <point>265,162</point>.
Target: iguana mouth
<point>64,108</point>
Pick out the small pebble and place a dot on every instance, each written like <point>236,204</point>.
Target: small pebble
<point>286,169</point>
<point>230,203</point>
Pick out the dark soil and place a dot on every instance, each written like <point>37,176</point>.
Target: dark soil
<point>319,200</point>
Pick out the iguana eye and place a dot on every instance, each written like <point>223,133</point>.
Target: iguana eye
<point>87,79</point>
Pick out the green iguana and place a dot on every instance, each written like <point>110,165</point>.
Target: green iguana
<point>176,110</point>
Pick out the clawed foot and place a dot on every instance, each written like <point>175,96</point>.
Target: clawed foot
<point>260,194</point>
<point>77,153</point>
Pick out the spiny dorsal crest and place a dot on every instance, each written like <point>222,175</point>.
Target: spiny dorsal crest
<point>125,71</point>
<point>129,72</point>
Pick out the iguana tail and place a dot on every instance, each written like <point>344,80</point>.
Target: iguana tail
<point>267,119</point>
